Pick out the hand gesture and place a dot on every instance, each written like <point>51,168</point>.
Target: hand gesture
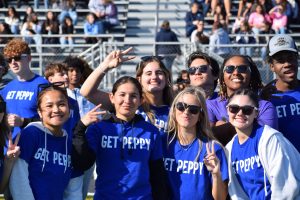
<point>14,120</point>
<point>13,151</point>
<point>92,116</point>
<point>115,58</point>
<point>211,161</point>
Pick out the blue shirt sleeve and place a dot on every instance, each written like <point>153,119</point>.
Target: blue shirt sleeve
<point>210,111</point>
<point>28,143</point>
<point>267,114</point>
<point>156,151</point>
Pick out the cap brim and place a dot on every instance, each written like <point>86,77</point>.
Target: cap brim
<point>283,49</point>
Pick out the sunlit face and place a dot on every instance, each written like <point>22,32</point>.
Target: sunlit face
<point>153,79</point>
<point>202,79</point>
<point>126,101</point>
<point>17,64</point>
<point>235,80</point>
<point>59,77</point>
<point>185,119</point>
<point>90,19</point>
<point>54,109</point>
<point>50,15</point>
<point>258,9</point>
<point>74,75</point>
<point>239,120</point>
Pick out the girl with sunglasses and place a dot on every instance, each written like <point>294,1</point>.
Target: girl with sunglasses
<point>263,164</point>
<point>43,169</point>
<point>154,78</point>
<point>237,72</point>
<point>8,154</point>
<point>127,150</point>
<point>195,163</point>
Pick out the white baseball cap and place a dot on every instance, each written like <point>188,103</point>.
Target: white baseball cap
<point>281,42</point>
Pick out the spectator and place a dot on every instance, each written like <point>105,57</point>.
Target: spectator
<point>288,10</point>
<point>68,8</point>
<point>279,19</point>
<point>5,30</point>
<point>237,71</point>
<point>29,11</point>
<point>220,15</point>
<point>3,72</point>
<point>199,35</point>
<point>20,94</point>
<point>245,36</point>
<point>91,27</point>
<point>203,4</point>
<point>13,20</point>
<point>284,91</point>
<point>191,19</point>
<point>257,19</point>
<point>44,167</point>
<point>46,4</point>
<point>203,72</point>
<point>182,81</point>
<point>275,166</point>
<point>219,37</point>
<point>227,5</point>
<point>190,139</point>
<point>50,27</point>
<point>31,30</point>
<point>68,29</point>
<point>244,11</point>
<point>169,52</point>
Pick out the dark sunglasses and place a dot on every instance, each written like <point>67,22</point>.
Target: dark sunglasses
<point>246,110</point>
<point>2,107</point>
<point>191,108</point>
<point>201,69</point>
<point>16,58</point>
<point>146,58</point>
<point>44,86</point>
<point>240,69</point>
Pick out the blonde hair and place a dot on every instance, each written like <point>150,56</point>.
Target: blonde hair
<point>203,130</point>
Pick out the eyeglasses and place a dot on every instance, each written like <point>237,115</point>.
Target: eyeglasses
<point>191,108</point>
<point>246,110</point>
<point>240,69</point>
<point>2,107</point>
<point>146,58</point>
<point>201,69</point>
<point>44,86</point>
<point>16,58</point>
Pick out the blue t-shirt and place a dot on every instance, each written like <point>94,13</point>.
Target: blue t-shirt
<point>217,111</point>
<point>49,165</point>
<point>123,151</point>
<point>247,166</point>
<point>161,114</point>
<point>287,105</point>
<point>21,98</point>
<point>189,178</point>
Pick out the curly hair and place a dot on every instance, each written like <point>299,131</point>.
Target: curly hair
<point>16,47</point>
<point>255,81</point>
<point>53,68</point>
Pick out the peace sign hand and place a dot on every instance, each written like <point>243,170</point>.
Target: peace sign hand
<point>115,58</point>
<point>13,151</point>
<point>211,161</point>
<point>92,116</point>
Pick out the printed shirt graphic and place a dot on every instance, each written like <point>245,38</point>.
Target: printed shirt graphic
<point>21,98</point>
<point>287,106</point>
<point>123,152</point>
<point>161,114</point>
<point>189,178</point>
<point>50,182</point>
<point>217,111</point>
<point>247,166</point>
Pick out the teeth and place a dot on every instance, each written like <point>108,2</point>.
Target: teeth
<point>236,80</point>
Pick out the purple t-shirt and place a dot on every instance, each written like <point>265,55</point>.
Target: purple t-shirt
<point>217,111</point>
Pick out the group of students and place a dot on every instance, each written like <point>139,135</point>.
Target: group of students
<point>153,144</point>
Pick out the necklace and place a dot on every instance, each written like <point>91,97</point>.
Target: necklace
<point>186,147</point>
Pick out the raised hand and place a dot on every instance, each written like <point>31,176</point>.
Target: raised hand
<point>115,58</point>
<point>92,116</point>
<point>14,120</point>
<point>13,150</point>
<point>211,160</point>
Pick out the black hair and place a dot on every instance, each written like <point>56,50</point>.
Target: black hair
<point>74,62</point>
<point>248,92</point>
<point>127,79</point>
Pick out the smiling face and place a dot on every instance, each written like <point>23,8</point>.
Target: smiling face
<point>74,75</point>
<point>239,120</point>
<point>185,119</point>
<point>53,109</point>
<point>126,100</point>
<point>235,80</point>
<point>153,78</point>
<point>285,65</point>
